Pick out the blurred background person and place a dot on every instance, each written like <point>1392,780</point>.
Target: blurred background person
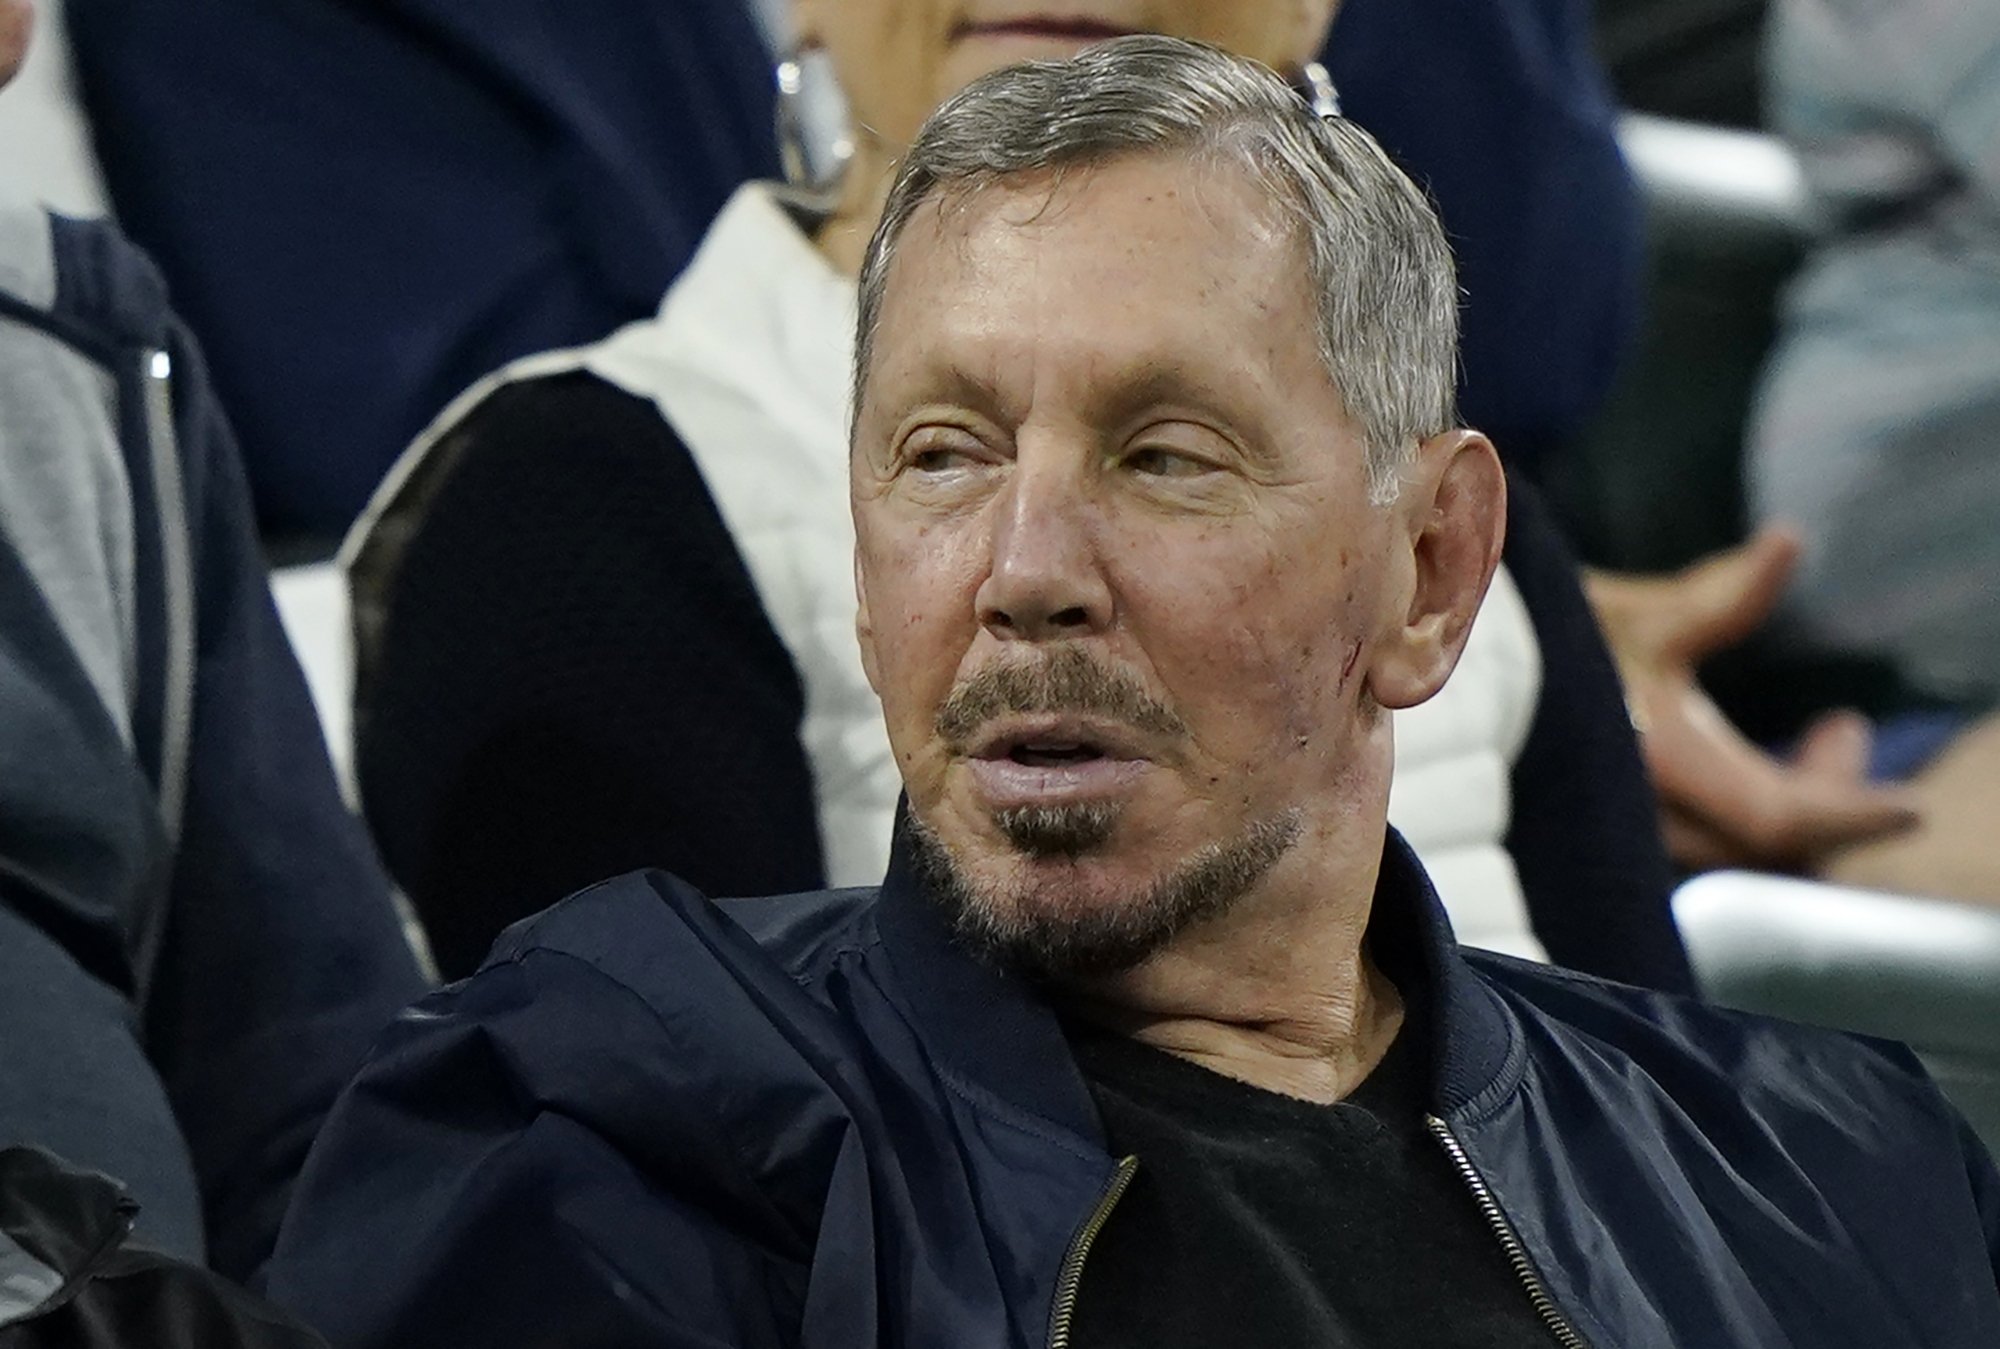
<point>1877,428</point>
<point>197,943</point>
<point>362,209</point>
<point>45,151</point>
<point>1534,193</point>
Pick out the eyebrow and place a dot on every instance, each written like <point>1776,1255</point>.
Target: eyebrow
<point>1168,383</point>
<point>947,383</point>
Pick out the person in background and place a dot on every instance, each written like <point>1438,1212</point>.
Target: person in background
<point>1154,1034</point>
<point>603,607</point>
<point>1878,418</point>
<point>363,208</point>
<point>45,152</point>
<point>197,943</point>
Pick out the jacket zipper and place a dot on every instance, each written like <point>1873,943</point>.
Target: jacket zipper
<point>1510,1241</point>
<point>156,378</point>
<point>1071,1273</point>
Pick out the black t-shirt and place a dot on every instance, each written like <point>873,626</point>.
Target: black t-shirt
<point>1258,1219</point>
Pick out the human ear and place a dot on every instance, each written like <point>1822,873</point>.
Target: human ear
<point>1453,520</point>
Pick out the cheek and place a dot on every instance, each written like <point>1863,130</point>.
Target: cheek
<point>920,583</point>
<point>1268,661</point>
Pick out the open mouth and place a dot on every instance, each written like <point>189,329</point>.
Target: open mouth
<point>1054,741</point>
<point>1056,760</point>
<point>1054,753</point>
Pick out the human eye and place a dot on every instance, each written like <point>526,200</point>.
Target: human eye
<point>1159,461</point>
<point>943,454</point>
<point>940,458</point>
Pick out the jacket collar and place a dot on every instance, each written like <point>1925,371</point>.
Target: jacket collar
<point>993,1031</point>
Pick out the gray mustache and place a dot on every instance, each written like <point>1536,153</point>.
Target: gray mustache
<point>1067,680</point>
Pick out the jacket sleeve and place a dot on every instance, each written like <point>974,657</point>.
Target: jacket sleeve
<point>469,1190</point>
<point>282,957</point>
<point>1584,834</point>
<point>574,677</point>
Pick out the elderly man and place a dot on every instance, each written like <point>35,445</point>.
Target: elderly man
<point>1150,550</point>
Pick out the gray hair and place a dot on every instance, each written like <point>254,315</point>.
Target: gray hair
<point>1377,257</point>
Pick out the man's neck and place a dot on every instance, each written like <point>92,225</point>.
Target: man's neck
<point>1282,995</point>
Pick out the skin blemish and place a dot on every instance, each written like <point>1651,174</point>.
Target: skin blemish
<point>1353,659</point>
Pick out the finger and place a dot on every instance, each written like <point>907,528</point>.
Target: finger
<point>1824,814</point>
<point>1695,845</point>
<point>1836,745</point>
<point>1766,810</point>
<point>1727,596</point>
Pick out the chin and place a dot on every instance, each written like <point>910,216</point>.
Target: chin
<point>1060,912</point>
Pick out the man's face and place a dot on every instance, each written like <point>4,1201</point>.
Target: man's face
<point>17,22</point>
<point>898,59</point>
<point>1121,580</point>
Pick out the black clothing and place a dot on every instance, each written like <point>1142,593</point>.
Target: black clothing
<point>576,678</point>
<point>1257,1219</point>
<point>1584,821</point>
<point>1546,225</point>
<point>364,207</point>
<point>817,1122</point>
<point>71,1281</point>
<point>1700,60</point>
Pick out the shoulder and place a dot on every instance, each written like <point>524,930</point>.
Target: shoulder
<point>1719,1066</point>
<point>642,1011</point>
<point>571,404</point>
<point>529,465</point>
<point>661,939</point>
<point>86,282</point>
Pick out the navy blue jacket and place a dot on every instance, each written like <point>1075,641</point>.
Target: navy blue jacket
<point>191,918</point>
<point>655,1121</point>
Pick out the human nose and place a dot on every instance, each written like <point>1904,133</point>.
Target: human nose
<point>1045,581</point>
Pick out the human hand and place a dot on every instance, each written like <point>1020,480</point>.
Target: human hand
<point>17,24</point>
<point>1723,801</point>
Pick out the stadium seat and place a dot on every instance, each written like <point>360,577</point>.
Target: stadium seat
<point>1657,481</point>
<point>1923,971</point>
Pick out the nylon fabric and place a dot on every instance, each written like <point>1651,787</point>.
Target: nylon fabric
<point>650,1106</point>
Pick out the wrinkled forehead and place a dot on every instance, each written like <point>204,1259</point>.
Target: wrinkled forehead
<point>1130,259</point>
<point>1199,194</point>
